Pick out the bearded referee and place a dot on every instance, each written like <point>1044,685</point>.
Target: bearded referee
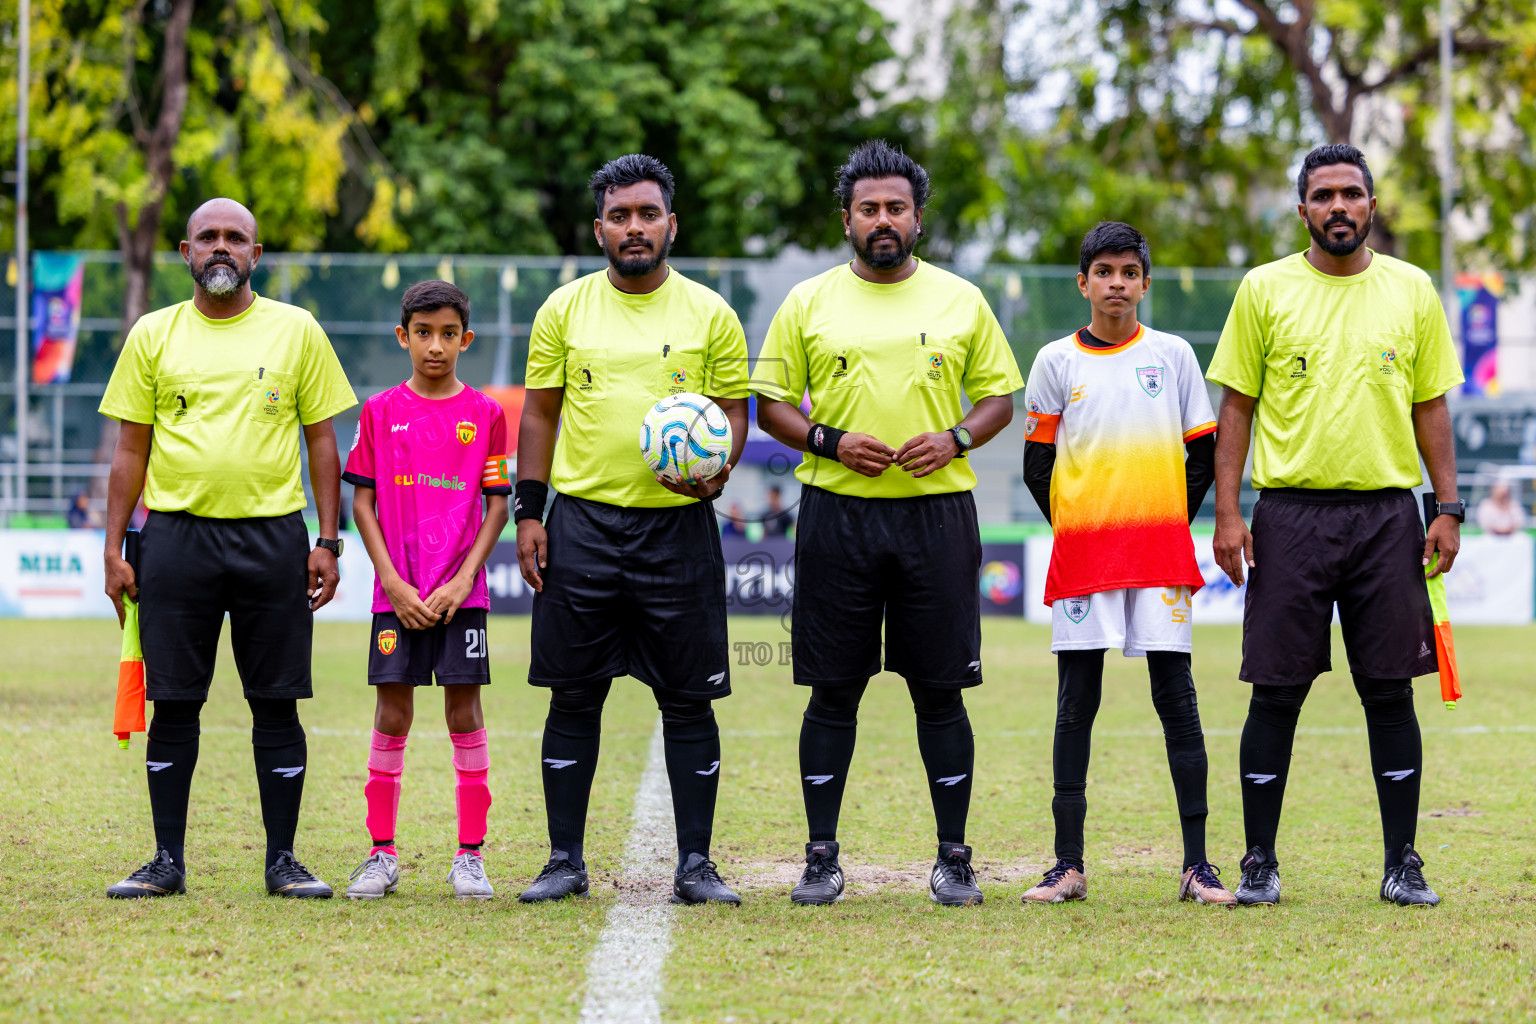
<point>888,347</point>
<point>627,572</point>
<point>1336,360</point>
<point>224,385</point>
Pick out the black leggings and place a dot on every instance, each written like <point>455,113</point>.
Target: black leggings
<point>1080,684</point>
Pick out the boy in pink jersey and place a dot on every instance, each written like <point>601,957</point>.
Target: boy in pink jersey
<point>424,453</point>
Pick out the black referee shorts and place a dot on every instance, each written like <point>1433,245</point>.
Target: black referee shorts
<point>192,571</point>
<point>1361,549</point>
<point>912,562</point>
<point>632,591</point>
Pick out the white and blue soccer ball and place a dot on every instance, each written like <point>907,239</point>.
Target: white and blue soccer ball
<point>685,437</point>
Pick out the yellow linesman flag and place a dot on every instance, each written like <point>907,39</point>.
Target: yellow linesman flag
<point>1445,644</point>
<point>129,714</point>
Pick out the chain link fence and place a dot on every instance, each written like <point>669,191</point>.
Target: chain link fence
<point>356,298</point>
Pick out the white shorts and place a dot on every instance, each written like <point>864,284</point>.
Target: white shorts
<point>1138,621</point>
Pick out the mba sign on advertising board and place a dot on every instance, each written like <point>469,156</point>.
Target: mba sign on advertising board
<point>52,574</point>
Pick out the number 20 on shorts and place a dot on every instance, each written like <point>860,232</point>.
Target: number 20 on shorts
<point>475,645</point>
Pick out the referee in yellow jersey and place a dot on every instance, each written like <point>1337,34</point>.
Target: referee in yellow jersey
<point>1336,360</point>
<point>628,574</point>
<point>887,347</point>
<point>213,394</point>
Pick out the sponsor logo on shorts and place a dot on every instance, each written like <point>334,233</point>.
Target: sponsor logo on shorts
<point>1151,379</point>
<point>387,640</point>
<point>466,431</point>
<point>718,679</point>
<point>1076,608</point>
<point>1423,649</point>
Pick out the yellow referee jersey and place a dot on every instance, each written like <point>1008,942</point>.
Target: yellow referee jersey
<point>616,354</point>
<point>225,398</point>
<point>1336,364</point>
<point>890,360</point>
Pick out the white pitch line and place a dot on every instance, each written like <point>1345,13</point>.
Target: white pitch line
<point>624,975</point>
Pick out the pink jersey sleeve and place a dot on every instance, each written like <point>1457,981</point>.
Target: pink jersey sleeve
<point>497,475</point>
<point>360,460</point>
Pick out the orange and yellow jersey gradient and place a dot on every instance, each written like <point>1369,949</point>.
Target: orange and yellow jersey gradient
<point>1119,418</point>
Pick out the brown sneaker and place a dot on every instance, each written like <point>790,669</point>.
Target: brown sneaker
<point>1200,884</point>
<point>1063,882</point>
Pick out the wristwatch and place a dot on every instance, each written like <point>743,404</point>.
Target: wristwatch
<point>333,546</point>
<point>962,440</point>
<point>1457,508</point>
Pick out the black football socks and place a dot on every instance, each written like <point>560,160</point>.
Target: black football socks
<point>1079,685</point>
<point>827,738</point>
<point>170,758</point>
<point>1264,760</point>
<point>691,741</point>
<point>277,740</point>
<point>948,749</point>
<point>1397,759</point>
<point>572,738</point>
<point>1173,695</point>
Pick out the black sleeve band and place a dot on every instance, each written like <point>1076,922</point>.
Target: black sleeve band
<point>1199,471</point>
<point>530,498</point>
<point>822,440</point>
<point>358,480</point>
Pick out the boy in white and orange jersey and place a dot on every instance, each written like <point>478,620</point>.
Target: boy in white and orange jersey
<point>1119,452</point>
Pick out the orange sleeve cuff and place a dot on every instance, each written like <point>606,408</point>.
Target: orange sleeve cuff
<point>1041,427</point>
<point>496,473</point>
<point>1200,431</point>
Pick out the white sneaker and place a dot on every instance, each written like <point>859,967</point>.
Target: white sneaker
<point>468,878</point>
<point>377,876</point>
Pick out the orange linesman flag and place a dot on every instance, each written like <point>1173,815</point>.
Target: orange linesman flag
<point>1445,644</point>
<point>129,714</point>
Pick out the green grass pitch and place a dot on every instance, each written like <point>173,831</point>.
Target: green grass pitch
<point>74,818</point>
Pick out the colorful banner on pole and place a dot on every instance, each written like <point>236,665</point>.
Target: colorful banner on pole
<point>1479,295</point>
<point>57,278</point>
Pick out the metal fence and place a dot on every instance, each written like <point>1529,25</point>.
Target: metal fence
<point>356,299</point>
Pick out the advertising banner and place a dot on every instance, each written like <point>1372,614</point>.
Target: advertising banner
<point>57,277</point>
<point>1479,295</point>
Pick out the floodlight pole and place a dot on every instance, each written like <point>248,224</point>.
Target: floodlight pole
<point>1447,165</point>
<point>23,294</point>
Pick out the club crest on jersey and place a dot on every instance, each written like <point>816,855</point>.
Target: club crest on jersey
<point>466,432</point>
<point>1077,608</point>
<point>1151,379</point>
<point>387,640</point>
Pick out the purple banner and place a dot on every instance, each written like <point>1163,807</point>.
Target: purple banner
<point>57,279</point>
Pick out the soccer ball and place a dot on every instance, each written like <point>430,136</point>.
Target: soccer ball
<point>685,436</point>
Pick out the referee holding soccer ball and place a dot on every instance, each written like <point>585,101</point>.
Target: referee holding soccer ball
<point>628,574</point>
<point>887,347</point>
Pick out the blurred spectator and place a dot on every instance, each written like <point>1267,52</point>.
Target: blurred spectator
<point>79,515</point>
<point>776,518</point>
<point>735,524</point>
<point>1499,513</point>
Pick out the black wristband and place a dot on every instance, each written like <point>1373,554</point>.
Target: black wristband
<point>822,440</point>
<point>528,500</point>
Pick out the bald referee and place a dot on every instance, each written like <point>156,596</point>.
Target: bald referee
<point>1336,360</point>
<point>628,574</point>
<point>888,347</point>
<point>213,395</point>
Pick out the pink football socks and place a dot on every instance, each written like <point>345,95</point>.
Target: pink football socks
<point>471,762</point>
<point>386,760</point>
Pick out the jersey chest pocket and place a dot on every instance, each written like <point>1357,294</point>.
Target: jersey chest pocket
<point>680,372</point>
<point>179,400</point>
<point>1299,361</point>
<point>837,364</point>
<point>273,397</point>
<point>1383,358</point>
<point>934,364</point>
<point>586,372</point>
